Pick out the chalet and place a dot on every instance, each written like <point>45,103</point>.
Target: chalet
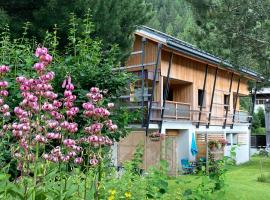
<point>183,91</point>
<point>261,97</point>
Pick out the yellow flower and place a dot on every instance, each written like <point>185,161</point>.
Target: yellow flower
<point>112,192</point>
<point>111,198</point>
<point>128,195</point>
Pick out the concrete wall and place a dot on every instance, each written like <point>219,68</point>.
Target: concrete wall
<point>183,146</point>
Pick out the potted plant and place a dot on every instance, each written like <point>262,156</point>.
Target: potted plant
<point>212,144</point>
<point>223,143</point>
<point>155,136</point>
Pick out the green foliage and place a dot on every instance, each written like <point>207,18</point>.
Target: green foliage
<point>173,17</point>
<point>263,154</point>
<point>258,123</point>
<point>235,30</point>
<point>137,160</point>
<point>157,184</point>
<point>115,20</point>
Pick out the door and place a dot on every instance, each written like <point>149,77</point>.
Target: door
<point>171,151</point>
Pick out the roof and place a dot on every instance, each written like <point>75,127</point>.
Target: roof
<point>264,91</point>
<point>191,50</point>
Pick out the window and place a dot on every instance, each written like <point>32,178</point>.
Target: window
<point>261,101</point>
<point>226,101</point>
<point>170,95</point>
<point>234,138</point>
<point>201,98</point>
<point>228,138</point>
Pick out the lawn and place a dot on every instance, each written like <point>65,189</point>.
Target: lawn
<point>241,181</point>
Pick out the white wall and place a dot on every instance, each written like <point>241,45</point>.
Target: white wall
<point>183,146</point>
<point>242,151</point>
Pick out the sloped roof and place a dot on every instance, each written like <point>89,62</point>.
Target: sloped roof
<point>191,50</point>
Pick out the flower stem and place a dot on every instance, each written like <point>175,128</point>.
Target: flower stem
<point>35,172</point>
<point>85,186</point>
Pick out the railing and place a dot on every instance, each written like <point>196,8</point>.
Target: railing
<point>172,110</point>
<point>241,116</point>
<point>179,110</point>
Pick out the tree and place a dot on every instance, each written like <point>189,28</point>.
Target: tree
<point>115,20</point>
<point>173,17</point>
<point>261,116</point>
<point>238,31</point>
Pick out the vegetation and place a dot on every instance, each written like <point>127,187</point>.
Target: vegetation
<point>115,20</point>
<point>59,109</point>
<point>240,182</point>
<point>258,124</point>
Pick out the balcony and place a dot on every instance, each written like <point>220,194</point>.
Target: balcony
<point>183,111</point>
<point>173,110</point>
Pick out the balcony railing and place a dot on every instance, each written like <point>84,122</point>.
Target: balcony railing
<point>172,110</point>
<point>183,111</point>
<point>241,116</point>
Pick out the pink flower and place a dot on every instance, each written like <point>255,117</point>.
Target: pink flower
<point>88,106</point>
<point>41,51</point>
<point>20,79</point>
<point>3,93</point>
<point>40,138</point>
<point>70,86</point>
<point>46,59</point>
<point>54,136</point>
<point>3,84</point>
<point>69,142</point>
<point>4,69</point>
<point>39,66</point>
<point>94,90</point>
<point>78,160</point>
<point>93,161</point>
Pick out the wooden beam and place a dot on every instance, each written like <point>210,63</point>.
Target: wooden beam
<point>227,108</point>
<point>201,105</point>
<point>212,99</point>
<point>166,92</point>
<point>153,87</point>
<point>235,102</point>
<point>142,78</point>
<point>254,96</point>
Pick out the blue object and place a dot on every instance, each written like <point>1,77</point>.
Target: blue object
<point>187,168</point>
<point>194,149</point>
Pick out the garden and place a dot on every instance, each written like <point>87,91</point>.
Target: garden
<point>61,116</point>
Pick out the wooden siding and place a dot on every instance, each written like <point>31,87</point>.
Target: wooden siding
<point>191,73</point>
<point>201,142</point>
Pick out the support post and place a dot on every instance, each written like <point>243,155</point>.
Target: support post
<point>201,105</point>
<point>166,92</point>
<point>153,88</point>
<point>227,108</point>
<point>254,96</point>
<point>142,78</point>
<point>267,122</point>
<point>207,153</point>
<point>235,103</point>
<point>212,99</point>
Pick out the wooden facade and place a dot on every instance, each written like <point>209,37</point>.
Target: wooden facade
<point>200,98</point>
<point>187,78</point>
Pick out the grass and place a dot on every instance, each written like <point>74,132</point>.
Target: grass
<point>241,181</point>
